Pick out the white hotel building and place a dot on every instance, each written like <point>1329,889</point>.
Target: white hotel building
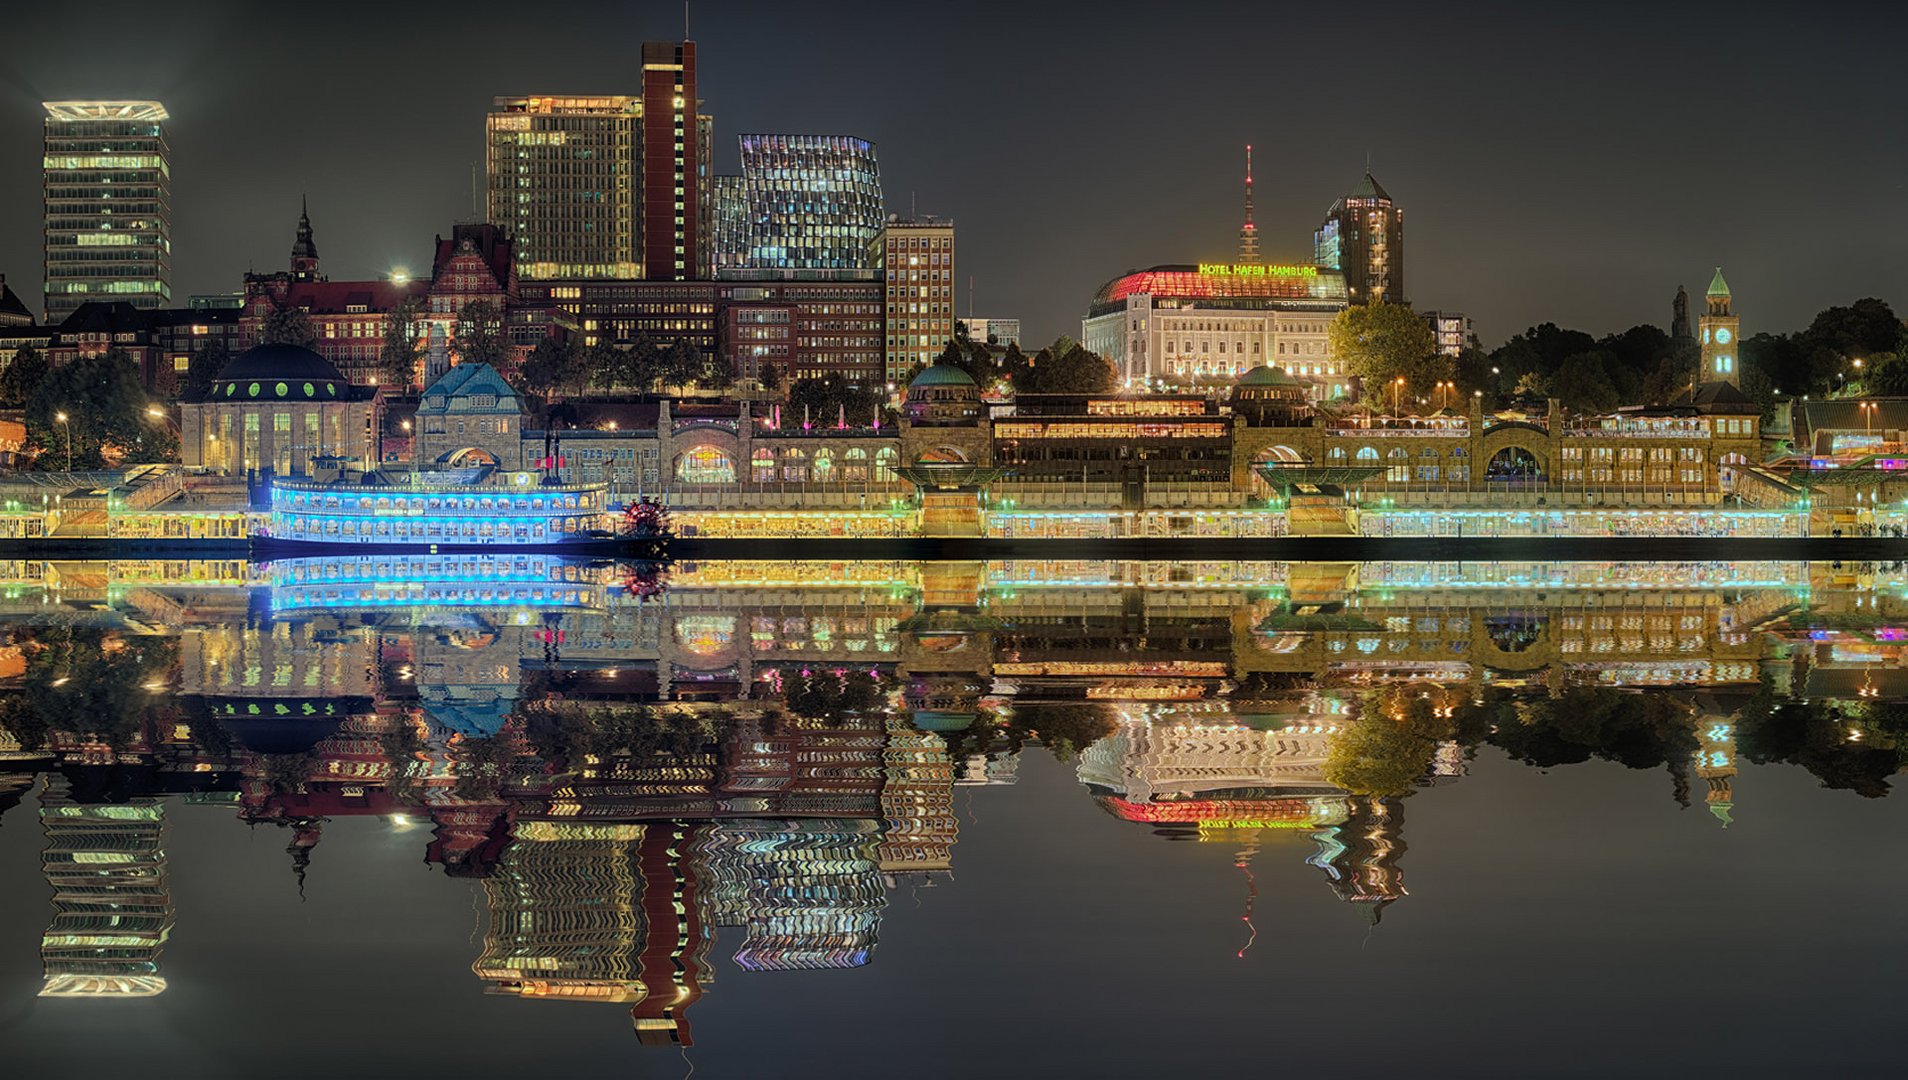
<point>1178,325</point>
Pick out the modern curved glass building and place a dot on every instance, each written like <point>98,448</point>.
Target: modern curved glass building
<point>805,206</point>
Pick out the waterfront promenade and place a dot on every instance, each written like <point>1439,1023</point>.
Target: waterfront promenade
<point>1291,548</point>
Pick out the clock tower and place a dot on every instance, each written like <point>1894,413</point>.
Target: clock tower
<point>1720,334</point>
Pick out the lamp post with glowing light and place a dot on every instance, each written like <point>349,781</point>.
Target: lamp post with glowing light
<point>61,417</point>
<point>1397,387</point>
<point>1868,415</point>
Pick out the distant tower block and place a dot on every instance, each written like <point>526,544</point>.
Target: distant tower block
<point>1249,233</point>
<point>1720,333</point>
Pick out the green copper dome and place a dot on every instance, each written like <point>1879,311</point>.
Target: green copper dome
<point>1267,376</point>
<point>942,375</point>
<point>1717,286</point>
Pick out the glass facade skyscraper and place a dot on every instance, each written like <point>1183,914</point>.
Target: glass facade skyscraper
<point>1363,236</point>
<point>108,198</point>
<point>805,206</point>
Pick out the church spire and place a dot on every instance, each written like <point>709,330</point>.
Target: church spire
<point>1249,233</point>
<point>304,253</point>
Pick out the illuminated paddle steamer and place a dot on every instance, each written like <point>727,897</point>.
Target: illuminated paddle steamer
<point>446,510</point>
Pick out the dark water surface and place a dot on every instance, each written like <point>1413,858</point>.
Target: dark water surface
<point>1007,819</point>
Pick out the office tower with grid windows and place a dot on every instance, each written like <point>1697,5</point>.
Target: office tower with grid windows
<point>107,180</point>
<point>606,186</point>
<point>919,257</point>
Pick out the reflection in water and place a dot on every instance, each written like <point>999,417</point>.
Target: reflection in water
<point>636,768</point>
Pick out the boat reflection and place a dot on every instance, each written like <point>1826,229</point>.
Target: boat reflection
<point>636,766</point>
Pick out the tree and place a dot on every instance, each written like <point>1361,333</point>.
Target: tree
<point>22,377</point>
<point>1064,729</point>
<point>1783,360</point>
<point>1389,747</point>
<point>480,334</point>
<point>88,683</point>
<point>681,365</point>
<point>1586,383</point>
<point>1866,326</point>
<point>608,366</point>
<point>616,367</point>
<point>1638,731</point>
<point>105,409</point>
<point>642,364</point>
<point>1887,375</point>
<point>768,378</point>
<point>1064,367</point>
<point>1381,343</point>
<point>287,326</point>
<point>577,365</point>
<point>403,344</point>
<point>970,356</point>
<point>204,367</point>
<point>544,369</point>
<point>716,372</point>
<point>830,398</point>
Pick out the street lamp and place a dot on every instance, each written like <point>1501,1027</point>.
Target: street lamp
<point>1397,387</point>
<point>1868,416</point>
<point>61,417</point>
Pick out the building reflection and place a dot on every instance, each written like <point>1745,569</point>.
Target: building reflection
<point>757,753</point>
<point>112,911</point>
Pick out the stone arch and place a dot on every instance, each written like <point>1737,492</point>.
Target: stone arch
<point>1514,463</point>
<point>469,457</point>
<point>1279,453</point>
<point>704,463</point>
<point>943,454</point>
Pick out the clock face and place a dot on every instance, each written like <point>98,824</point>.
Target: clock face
<point>1722,335</point>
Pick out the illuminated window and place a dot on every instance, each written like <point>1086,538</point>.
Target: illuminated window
<point>708,465</point>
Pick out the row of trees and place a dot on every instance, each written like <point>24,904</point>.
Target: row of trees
<point>1064,367</point>
<point>1381,343</point>
<point>643,366</point>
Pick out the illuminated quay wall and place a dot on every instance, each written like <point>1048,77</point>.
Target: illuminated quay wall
<point>1658,521</point>
<point>1171,465</point>
<point>1667,457</point>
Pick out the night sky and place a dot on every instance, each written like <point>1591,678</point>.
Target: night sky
<point>1556,162</point>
